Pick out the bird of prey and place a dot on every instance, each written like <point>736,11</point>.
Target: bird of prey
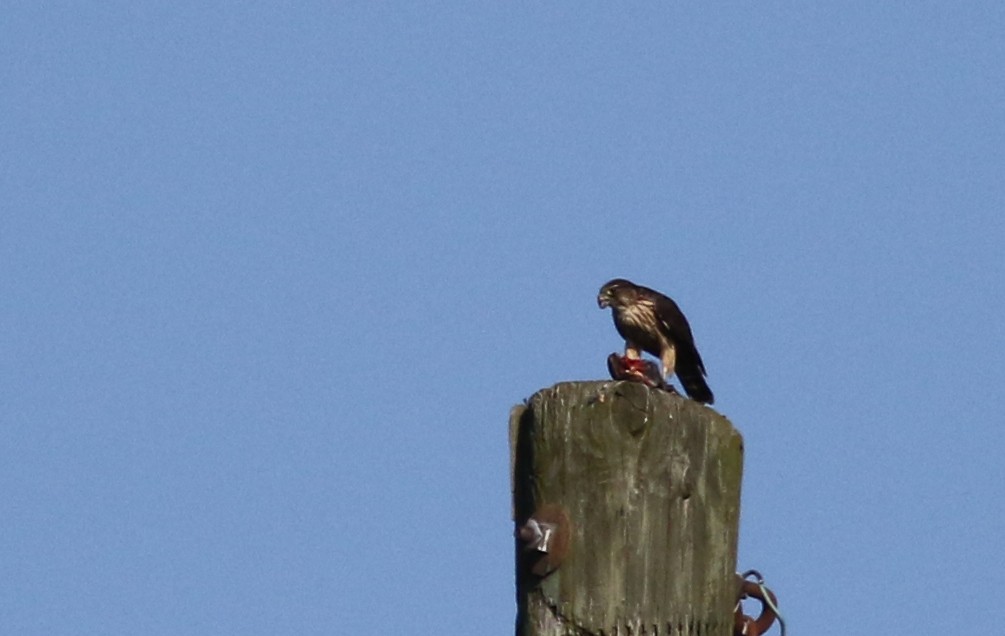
<point>652,322</point>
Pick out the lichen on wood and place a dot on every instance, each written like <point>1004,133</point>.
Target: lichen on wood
<point>651,484</point>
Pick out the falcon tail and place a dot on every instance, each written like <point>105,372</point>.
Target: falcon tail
<point>691,374</point>
<point>695,386</point>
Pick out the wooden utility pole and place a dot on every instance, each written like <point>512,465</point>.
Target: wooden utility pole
<point>629,502</point>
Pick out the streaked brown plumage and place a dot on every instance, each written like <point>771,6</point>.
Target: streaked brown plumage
<point>652,322</point>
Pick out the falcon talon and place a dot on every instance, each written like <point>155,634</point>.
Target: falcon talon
<point>645,372</point>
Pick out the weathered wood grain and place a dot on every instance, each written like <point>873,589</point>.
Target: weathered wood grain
<point>651,484</point>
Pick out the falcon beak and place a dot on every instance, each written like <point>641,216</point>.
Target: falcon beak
<point>603,301</point>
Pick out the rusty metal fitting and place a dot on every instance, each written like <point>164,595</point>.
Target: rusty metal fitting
<point>744,625</point>
<point>537,535</point>
<point>545,535</point>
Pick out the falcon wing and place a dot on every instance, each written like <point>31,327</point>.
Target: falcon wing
<point>674,326</point>
<point>690,369</point>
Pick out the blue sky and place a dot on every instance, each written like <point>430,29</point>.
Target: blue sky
<point>274,274</point>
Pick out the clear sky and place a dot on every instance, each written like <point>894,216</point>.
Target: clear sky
<point>273,275</point>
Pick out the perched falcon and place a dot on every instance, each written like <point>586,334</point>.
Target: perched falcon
<point>652,322</point>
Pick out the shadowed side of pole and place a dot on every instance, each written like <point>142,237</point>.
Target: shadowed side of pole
<point>628,499</point>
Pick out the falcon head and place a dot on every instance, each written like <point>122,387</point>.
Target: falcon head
<point>617,293</point>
